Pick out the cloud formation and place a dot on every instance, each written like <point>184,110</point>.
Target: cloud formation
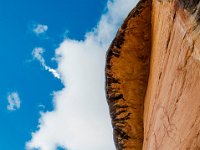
<point>40,29</point>
<point>14,101</point>
<point>80,119</point>
<point>37,54</point>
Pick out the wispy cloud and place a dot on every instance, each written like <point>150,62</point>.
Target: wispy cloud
<point>80,119</point>
<point>37,54</point>
<point>39,29</point>
<point>14,101</point>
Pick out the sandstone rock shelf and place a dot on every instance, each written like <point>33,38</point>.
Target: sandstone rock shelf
<point>153,77</point>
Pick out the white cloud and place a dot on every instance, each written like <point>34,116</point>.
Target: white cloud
<point>40,29</point>
<point>80,119</point>
<point>13,101</point>
<point>37,54</point>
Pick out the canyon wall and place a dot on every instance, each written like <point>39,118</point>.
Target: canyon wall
<point>153,77</point>
<point>172,104</point>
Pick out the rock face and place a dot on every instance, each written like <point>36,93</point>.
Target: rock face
<point>127,72</point>
<point>153,77</point>
<point>172,104</point>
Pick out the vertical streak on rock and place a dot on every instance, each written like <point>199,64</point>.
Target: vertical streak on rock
<point>127,70</point>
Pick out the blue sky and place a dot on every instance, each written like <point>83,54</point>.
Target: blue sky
<point>39,39</point>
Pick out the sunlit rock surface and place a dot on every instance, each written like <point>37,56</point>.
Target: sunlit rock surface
<point>153,77</point>
<point>172,104</point>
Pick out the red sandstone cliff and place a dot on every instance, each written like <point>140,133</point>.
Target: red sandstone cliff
<point>153,77</point>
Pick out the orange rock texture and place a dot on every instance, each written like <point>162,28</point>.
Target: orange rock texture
<point>153,77</point>
<point>127,73</point>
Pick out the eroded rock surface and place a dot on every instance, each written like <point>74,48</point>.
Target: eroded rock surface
<point>170,92</point>
<point>172,104</point>
<point>127,72</point>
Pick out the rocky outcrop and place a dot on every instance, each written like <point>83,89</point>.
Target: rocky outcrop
<point>172,104</point>
<point>153,77</point>
<point>127,70</point>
